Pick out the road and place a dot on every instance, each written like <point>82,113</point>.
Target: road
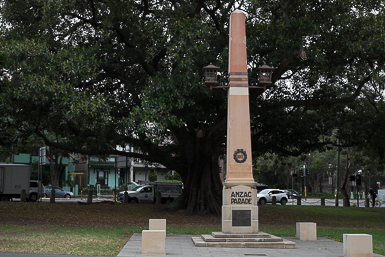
<point>305,201</point>
<point>328,202</point>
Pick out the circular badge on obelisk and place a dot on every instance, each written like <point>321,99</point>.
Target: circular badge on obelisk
<point>240,155</point>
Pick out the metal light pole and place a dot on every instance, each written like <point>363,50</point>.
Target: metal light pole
<point>338,172</point>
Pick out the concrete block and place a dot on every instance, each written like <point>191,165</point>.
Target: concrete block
<point>154,242</point>
<point>157,224</point>
<point>306,231</point>
<point>357,245</point>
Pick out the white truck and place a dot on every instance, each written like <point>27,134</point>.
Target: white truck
<point>147,193</point>
<point>13,179</point>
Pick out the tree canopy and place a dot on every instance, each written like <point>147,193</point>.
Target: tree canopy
<point>103,73</point>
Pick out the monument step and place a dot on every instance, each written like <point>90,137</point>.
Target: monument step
<point>210,238</point>
<point>284,244</point>
<point>225,235</point>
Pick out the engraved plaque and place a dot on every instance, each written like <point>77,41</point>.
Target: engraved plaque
<point>241,218</point>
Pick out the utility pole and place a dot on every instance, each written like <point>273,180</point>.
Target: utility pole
<point>304,178</point>
<point>338,172</point>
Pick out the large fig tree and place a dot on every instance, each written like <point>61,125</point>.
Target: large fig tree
<point>105,73</point>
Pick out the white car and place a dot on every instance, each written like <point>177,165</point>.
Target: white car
<point>266,196</point>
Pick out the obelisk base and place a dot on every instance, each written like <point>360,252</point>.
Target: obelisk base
<point>240,209</point>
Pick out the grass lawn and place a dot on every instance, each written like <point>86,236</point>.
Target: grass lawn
<point>104,228</point>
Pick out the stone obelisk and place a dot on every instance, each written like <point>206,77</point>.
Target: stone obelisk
<point>239,210</point>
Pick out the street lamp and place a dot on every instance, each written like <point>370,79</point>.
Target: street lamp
<point>210,72</point>
<point>265,75</point>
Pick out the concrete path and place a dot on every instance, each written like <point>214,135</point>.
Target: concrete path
<point>182,246</point>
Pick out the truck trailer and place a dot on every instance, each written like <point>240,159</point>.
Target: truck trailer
<point>13,179</point>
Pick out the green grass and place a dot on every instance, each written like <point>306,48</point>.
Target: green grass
<point>62,240</point>
<point>104,229</point>
<point>332,222</point>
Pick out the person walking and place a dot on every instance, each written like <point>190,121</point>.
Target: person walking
<point>374,195</point>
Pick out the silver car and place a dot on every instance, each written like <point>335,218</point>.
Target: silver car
<point>266,196</point>
<point>59,192</point>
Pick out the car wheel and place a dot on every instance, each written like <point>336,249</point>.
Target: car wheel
<point>262,201</point>
<point>67,196</point>
<point>4,198</point>
<point>133,200</point>
<point>283,201</point>
<point>33,197</point>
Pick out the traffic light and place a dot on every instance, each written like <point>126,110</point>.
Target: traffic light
<point>358,180</point>
<point>307,171</point>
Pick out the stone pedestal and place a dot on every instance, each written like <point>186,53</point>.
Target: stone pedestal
<point>306,231</point>
<point>154,242</point>
<point>260,240</point>
<point>357,245</point>
<point>239,210</point>
<point>157,224</point>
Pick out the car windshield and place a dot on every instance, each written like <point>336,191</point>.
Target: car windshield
<point>265,191</point>
<point>137,188</point>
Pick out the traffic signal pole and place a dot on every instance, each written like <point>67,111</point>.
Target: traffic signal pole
<point>304,178</point>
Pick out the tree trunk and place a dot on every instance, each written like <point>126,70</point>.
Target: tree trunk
<point>347,168</point>
<point>203,187</point>
<point>56,166</point>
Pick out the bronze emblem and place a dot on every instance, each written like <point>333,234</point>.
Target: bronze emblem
<point>240,155</point>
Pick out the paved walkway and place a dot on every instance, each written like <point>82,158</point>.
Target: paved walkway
<point>182,246</point>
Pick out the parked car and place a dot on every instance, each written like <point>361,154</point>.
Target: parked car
<point>59,192</point>
<point>266,196</point>
<point>291,194</point>
<point>34,193</point>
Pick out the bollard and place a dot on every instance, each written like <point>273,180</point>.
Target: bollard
<point>274,200</point>
<point>158,197</point>
<point>299,200</point>
<point>89,198</point>
<point>113,195</point>
<point>52,196</point>
<point>125,197</point>
<point>23,196</point>
<point>322,201</point>
<point>81,195</point>
<point>366,202</point>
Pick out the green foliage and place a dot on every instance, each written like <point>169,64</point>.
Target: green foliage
<point>87,77</point>
<point>175,177</point>
<point>123,187</point>
<point>152,175</point>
